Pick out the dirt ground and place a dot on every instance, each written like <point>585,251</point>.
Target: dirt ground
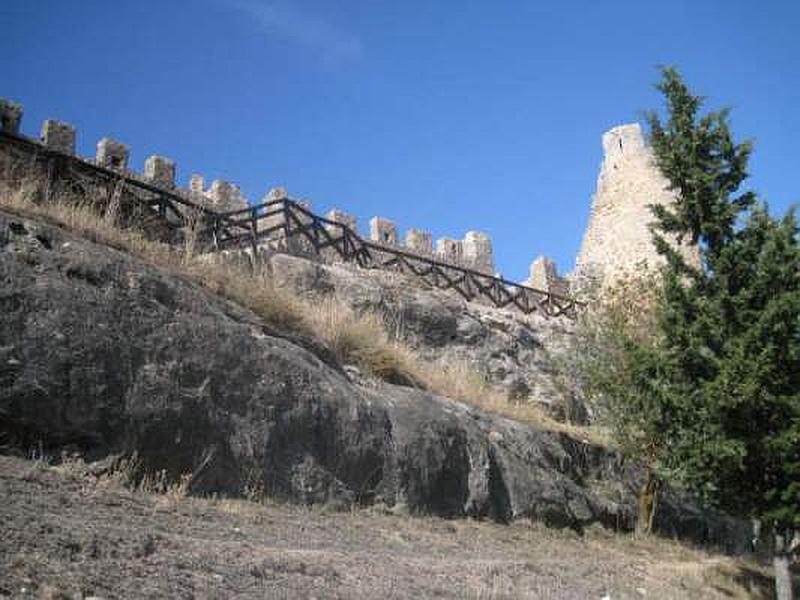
<point>65,533</point>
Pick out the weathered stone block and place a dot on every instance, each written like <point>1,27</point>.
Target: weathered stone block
<point>477,248</point>
<point>544,276</point>
<point>337,216</point>
<point>10,115</point>
<point>160,171</point>
<point>451,251</point>
<point>277,193</point>
<point>419,241</point>
<point>197,184</point>
<point>542,272</point>
<point>59,136</point>
<point>112,154</point>
<point>225,196</point>
<point>220,192</point>
<point>238,201</point>
<point>382,231</point>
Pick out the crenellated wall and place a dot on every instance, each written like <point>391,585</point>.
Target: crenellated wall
<point>114,155</point>
<point>474,251</point>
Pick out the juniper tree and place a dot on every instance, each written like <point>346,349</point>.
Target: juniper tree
<point>729,362</point>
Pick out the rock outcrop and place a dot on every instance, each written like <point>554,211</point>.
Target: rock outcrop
<point>103,354</point>
<point>508,348</point>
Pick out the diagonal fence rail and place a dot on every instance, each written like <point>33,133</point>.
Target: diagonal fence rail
<point>276,223</point>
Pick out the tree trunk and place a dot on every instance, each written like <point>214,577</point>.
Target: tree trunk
<point>781,563</point>
<point>648,503</point>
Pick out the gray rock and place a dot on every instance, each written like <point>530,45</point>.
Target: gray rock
<point>103,354</point>
<point>509,348</point>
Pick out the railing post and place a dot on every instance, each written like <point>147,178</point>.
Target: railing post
<point>287,228</point>
<point>345,243</point>
<point>254,234</point>
<point>51,178</point>
<point>317,236</point>
<point>215,230</point>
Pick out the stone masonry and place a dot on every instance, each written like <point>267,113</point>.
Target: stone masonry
<point>112,155</point>
<point>160,171</point>
<point>419,242</point>
<point>544,276</point>
<point>618,240</point>
<point>10,116</point>
<point>450,251</point>
<point>197,184</point>
<point>474,251</point>
<point>276,193</point>
<point>226,196</point>
<point>477,249</point>
<point>382,231</point>
<point>338,216</point>
<point>59,136</point>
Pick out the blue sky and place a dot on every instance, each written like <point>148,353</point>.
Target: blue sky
<point>443,115</point>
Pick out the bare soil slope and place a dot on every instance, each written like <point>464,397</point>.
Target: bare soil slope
<point>67,534</point>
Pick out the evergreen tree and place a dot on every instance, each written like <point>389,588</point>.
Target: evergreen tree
<point>729,366</point>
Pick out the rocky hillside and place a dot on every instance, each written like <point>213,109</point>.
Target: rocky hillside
<point>508,348</point>
<point>104,355</point>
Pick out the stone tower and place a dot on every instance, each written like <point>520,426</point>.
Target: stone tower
<point>618,240</point>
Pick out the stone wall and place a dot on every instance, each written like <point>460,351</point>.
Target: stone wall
<point>618,240</point>
<point>474,251</point>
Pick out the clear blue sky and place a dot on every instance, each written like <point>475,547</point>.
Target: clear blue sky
<point>443,115</point>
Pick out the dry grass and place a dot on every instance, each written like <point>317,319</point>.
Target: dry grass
<point>361,339</point>
<point>364,340</point>
<point>120,473</point>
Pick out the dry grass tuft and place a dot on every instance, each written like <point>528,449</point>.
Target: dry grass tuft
<point>462,381</point>
<point>362,340</point>
<point>255,290</point>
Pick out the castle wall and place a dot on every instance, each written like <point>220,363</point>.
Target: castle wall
<point>474,251</point>
<point>450,251</point>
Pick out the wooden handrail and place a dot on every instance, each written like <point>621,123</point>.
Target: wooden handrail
<point>240,227</point>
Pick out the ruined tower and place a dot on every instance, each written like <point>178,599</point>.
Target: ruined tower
<point>618,240</point>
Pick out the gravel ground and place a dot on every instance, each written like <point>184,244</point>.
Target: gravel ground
<point>65,533</point>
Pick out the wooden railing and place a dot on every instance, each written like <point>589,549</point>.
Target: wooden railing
<point>276,223</point>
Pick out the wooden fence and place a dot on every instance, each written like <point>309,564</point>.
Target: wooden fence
<point>275,223</point>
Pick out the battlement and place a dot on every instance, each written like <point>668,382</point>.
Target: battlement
<point>474,251</point>
<point>10,116</point>
<point>543,275</point>
<point>59,136</point>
